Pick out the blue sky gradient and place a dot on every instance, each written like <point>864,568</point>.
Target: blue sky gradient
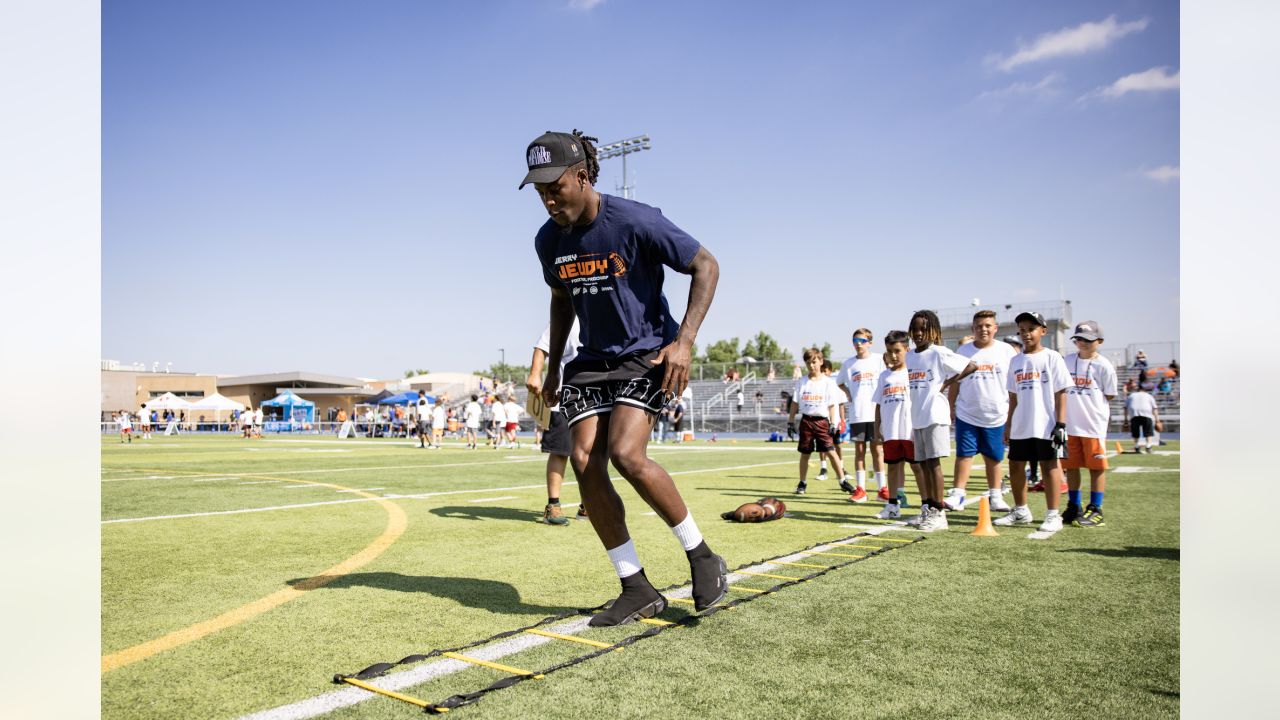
<point>331,186</point>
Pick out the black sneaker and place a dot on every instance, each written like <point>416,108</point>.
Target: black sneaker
<point>801,488</point>
<point>638,600</point>
<point>1071,514</point>
<point>1092,518</point>
<point>845,486</point>
<point>710,581</point>
<point>582,511</point>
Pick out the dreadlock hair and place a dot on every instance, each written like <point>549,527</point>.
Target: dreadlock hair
<point>932,327</point>
<point>589,148</point>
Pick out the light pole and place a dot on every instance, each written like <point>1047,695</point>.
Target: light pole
<point>623,148</point>
<point>504,363</point>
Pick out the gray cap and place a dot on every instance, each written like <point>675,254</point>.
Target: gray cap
<point>1087,330</point>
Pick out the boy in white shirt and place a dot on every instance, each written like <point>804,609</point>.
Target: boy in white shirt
<point>980,407</point>
<point>499,422</point>
<point>512,411</point>
<point>893,422</point>
<point>837,433</point>
<point>932,368</point>
<point>556,442</point>
<point>439,420</point>
<point>1142,419</point>
<point>817,399</point>
<point>471,418</point>
<point>1088,415</point>
<point>144,422</point>
<point>1037,427</point>
<point>126,428</point>
<point>422,408</point>
<point>857,378</point>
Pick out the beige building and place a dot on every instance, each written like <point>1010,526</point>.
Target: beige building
<point>326,391</point>
<point>128,389</point>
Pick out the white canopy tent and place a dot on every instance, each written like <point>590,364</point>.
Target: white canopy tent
<point>218,404</point>
<point>168,401</point>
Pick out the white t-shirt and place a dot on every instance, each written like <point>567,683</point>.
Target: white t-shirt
<point>1088,410</point>
<point>438,417</point>
<point>926,371</point>
<point>512,411</point>
<point>1141,404</point>
<point>499,412</point>
<point>892,394</point>
<point>571,345</point>
<point>1035,378</point>
<point>143,416</point>
<point>257,416</point>
<point>860,376</point>
<point>472,414</point>
<point>983,400</point>
<point>816,395</point>
<point>424,410</point>
<point>124,421</point>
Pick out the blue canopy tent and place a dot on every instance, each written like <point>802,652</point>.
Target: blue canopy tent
<point>405,398</point>
<point>294,414</point>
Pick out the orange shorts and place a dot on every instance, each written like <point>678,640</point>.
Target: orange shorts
<point>1085,452</point>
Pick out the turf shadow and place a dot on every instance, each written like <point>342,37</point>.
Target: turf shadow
<point>486,512</point>
<point>492,595</point>
<point>1153,553</point>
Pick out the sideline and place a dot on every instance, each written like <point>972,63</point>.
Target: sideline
<point>397,521</point>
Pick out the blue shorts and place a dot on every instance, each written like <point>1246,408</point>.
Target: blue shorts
<point>973,440</point>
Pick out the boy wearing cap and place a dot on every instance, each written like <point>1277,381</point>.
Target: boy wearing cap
<point>980,406</point>
<point>857,378</point>
<point>603,258</point>
<point>1088,415</point>
<point>1037,427</point>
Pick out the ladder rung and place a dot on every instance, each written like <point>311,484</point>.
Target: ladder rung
<point>843,555</point>
<point>495,666</point>
<point>389,693</point>
<point>808,565</point>
<point>776,577</point>
<point>570,638</point>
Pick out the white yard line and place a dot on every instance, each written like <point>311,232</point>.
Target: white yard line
<point>347,697</point>
<point>260,482</point>
<point>493,499</point>
<point>361,490</point>
<point>342,470</point>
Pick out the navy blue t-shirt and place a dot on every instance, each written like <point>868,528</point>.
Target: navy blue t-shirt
<point>613,271</point>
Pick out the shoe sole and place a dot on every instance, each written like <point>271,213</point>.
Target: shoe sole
<point>724,587</point>
<point>647,611</point>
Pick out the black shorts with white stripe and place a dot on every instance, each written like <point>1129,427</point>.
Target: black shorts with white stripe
<point>592,387</point>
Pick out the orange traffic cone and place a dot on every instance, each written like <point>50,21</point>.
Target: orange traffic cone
<point>984,528</point>
<point>1119,450</point>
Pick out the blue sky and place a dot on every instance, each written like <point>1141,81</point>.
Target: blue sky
<point>331,186</point>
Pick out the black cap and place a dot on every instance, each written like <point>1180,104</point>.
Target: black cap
<point>1033,316</point>
<point>549,155</point>
<point>1088,330</point>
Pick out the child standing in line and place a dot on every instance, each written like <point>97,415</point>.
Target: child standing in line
<point>1037,427</point>
<point>817,399</point>
<point>980,408</point>
<point>893,423</point>
<point>857,378</point>
<point>837,436</point>
<point>1088,415</point>
<point>932,368</point>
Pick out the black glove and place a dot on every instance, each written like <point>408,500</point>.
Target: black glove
<point>791,428</point>
<point>1059,436</point>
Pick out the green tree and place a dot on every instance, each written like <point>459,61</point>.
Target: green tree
<point>763,347</point>
<point>825,348</point>
<point>419,371</point>
<point>515,373</point>
<point>723,351</point>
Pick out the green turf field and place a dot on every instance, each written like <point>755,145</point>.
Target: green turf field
<point>208,610</point>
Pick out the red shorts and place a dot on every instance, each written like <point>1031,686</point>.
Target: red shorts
<point>124,430</point>
<point>1085,452</point>
<point>512,427</point>
<point>895,451</point>
<point>815,434</point>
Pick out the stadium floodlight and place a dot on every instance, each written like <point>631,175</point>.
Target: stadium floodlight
<point>623,148</point>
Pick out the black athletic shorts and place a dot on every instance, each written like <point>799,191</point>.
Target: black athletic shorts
<point>555,439</point>
<point>1141,426</point>
<point>592,387</point>
<point>862,432</point>
<point>815,434</point>
<point>1031,450</point>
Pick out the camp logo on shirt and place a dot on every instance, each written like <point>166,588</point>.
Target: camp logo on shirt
<point>590,269</point>
<point>893,394</point>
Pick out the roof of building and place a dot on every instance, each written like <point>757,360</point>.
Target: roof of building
<point>294,379</point>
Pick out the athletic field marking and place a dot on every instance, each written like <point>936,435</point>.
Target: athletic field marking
<point>259,482</point>
<point>267,473</point>
<point>307,485</point>
<point>212,479</point>
<point>347,697</point>
<point>362,490</point>
<point>1139,469</point>
<point>397,522</point>
<point>493,499</point>
<point>389,496</point>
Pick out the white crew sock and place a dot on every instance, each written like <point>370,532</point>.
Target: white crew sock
<point>687,533</point>
<point>1050,513</point>
<point>625,561</point>
<point>994,493</point>
<point>880,480</point>
<point>823,464</point>
<point>862,478</point>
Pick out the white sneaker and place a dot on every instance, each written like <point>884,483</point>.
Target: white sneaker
<point>954,502</point>
<point>1017,516</point>
<point>890,512</point>
<point>822,474</point>
<point>935,520</point>
<point>997,503</point>
<point>918,519</point>
<point>1051,524</point>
